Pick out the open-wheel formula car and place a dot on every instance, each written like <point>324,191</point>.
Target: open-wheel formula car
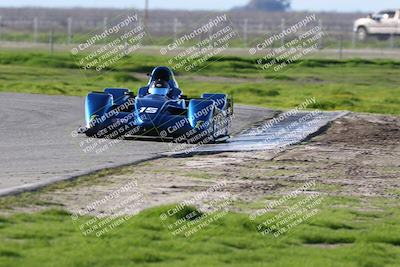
<point>159,110</point>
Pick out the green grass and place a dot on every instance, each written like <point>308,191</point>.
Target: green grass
<point>355,85</point>
<point>336,236</point>
<point>61,37</point>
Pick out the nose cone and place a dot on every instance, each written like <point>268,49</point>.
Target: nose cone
<point>143,119</point>
<point>149,107</point>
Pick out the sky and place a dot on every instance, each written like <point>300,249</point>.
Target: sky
<point>310,5</point>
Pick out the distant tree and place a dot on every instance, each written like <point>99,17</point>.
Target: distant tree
<point>266,5</point>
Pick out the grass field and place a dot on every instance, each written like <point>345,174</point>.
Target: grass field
<point>330,40</point>
<point>345,233</point>
<point>355,85</point>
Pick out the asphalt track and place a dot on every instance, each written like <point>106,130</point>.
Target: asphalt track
<point>37,147</point>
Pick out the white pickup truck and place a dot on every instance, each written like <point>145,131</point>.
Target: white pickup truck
<point>382,25</point>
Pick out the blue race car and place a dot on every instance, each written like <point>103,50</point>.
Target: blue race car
<point>159,110</point>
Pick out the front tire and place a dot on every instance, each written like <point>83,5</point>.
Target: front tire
<point>362,34</point>
<point>221,125</point>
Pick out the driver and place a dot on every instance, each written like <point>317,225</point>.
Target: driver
<point>159,87</point>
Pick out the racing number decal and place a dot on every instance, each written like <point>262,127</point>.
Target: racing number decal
<point>148,110</point>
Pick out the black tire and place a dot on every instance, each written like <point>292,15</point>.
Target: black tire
<point>362,34</point>
<point>91,133</point>
<point>214,127</point>
<point>218,132</point>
